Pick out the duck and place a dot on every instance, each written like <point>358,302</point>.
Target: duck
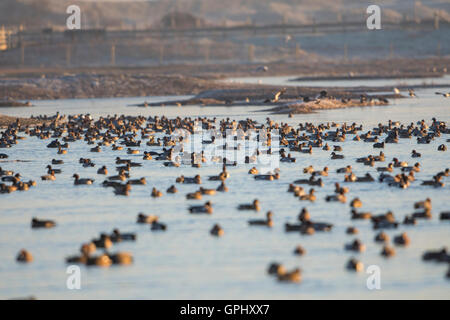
<point>194,195</point>
<point>275,268</point>
<point>172,189</point>
<point>36,223</point>
<point>55,161</point>
<point>402,239</point>
<point>209,192</point>
<point>308,169</point>
<point>88,248</point>
<point>142,181</point>
<point>425,214</point>
<point>15,179</point>
<point>381,237</point>
<point>415,168</point>
<point>444,173</point>
<point>206,208</point>
<point>102,260</point>
<point>117,236</point>
<point>121,258</point>
<point>384,221</point>
<point>339,189</point>
<point>132,151</point>
<point>87,163</point>
<point>335,156</point>
<point>389,168</point>
<point>437,256</point>
<point>347,169</point>
<point>147,219</point>
<point>195,180</point>
<point>415,154</point>
<point>253,171</point>
<point>122,161</point>
<point>269,177</point>
<point>338,197</point>
<point>356,203</point>
<point>378,145</point>
<point>435,182</point>
<point>355,265</point>
<point>409,220</point>
<point>156,193</point>
<point>117,148</point>
<point>49,177</point>
<point>103,242</point>
<point>147,156</point>
<point>253,206</point>
<point>266,222</point>
<point>399,164</point>
<point>355,245</point>
<point>289,158</point>
<point>79,181</point>
<point>366,178</point>
<point>24,256</point>
<point>309,197</point>
<point>444,216</point>
<point>299,250</point>
<point>62,151</point>
<point>323,172</point>
<point>96,149</point>
<point>299,191</point>
<point>217,231</point>
<point>360,215</point>
<point>351,230</point>
<point>387,251</point>
<point>291,276</point>
<point>222,187</point>
<point>102,170</point>
<point>158,226</point>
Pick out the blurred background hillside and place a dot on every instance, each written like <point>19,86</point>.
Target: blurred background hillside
<point>140,32</point>
<point>143,14</point>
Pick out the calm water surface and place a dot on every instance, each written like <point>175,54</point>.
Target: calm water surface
<point>290,81</point>
<point>186,262</point>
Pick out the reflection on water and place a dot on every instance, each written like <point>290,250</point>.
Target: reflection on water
<point>185,261</point>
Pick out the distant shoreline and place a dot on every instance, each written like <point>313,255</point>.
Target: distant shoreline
<point>54,83</point>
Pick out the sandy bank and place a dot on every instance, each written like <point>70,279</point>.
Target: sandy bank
<point>323,104</point>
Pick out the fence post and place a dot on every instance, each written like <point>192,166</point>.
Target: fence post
<point>345,52</point>
<point>113,54</point>
<point>297,51</point>
<point>207,53</point>
<point>161,54</point>
<point>68,54</point>
<point>251,53</point>
<point>436,20</point>
<point>22,53</point>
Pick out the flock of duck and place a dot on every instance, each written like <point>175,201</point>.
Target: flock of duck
<point>126,133</point>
